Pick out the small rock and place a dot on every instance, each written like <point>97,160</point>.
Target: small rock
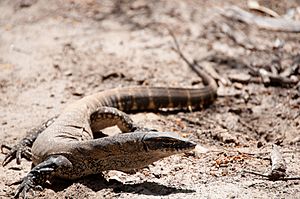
<point>68,73</point>
<point>200,149</point>
<point>239,77</point>
<point>26,3</point>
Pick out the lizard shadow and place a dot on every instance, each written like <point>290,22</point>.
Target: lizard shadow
<point>98,182</point>
<point>147,188</point>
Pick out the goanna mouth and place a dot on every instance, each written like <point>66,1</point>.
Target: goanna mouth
<point>178,146</point>
<point>168,142</point>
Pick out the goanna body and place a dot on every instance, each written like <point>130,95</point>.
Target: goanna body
<point>76,125</point>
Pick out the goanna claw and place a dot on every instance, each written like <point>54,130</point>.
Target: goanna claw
<point>16,152</point>
<point>40,174</point>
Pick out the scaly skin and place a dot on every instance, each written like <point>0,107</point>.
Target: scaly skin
<point>123,152</point>
<point>67,148</point>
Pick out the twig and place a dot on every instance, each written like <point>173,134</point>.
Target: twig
<point>193,65</point>
<point>254,5</point>
<point>238,37</point>
<point>267,176</point>
<point>179,52</point>
<point>256,173</point>
<point>278,169</point>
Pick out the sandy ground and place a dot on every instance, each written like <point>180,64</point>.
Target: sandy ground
<point>55,52</point>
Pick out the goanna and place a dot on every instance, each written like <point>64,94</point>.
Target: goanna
<point>70,146</point>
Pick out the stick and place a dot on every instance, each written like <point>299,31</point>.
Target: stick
<point>194,65</point>
<point>254,5</point>
<point>278,169</point>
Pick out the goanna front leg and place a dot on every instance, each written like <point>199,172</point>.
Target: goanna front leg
<point>23,148</point>
<point>44,171</point>
<point>108,116</point>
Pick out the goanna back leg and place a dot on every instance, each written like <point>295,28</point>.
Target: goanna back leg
<point>23,148</point>
<point>105,117</point>
<point>39,174</point>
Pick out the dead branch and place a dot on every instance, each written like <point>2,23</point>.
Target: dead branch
<point>277,24</point>
<point>275,80</point>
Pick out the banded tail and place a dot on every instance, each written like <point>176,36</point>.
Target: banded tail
<point>155,98</point>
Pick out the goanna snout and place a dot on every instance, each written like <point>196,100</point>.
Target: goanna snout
<point>167,141</point>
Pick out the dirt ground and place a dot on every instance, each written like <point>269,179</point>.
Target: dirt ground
<point>55,52</point>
